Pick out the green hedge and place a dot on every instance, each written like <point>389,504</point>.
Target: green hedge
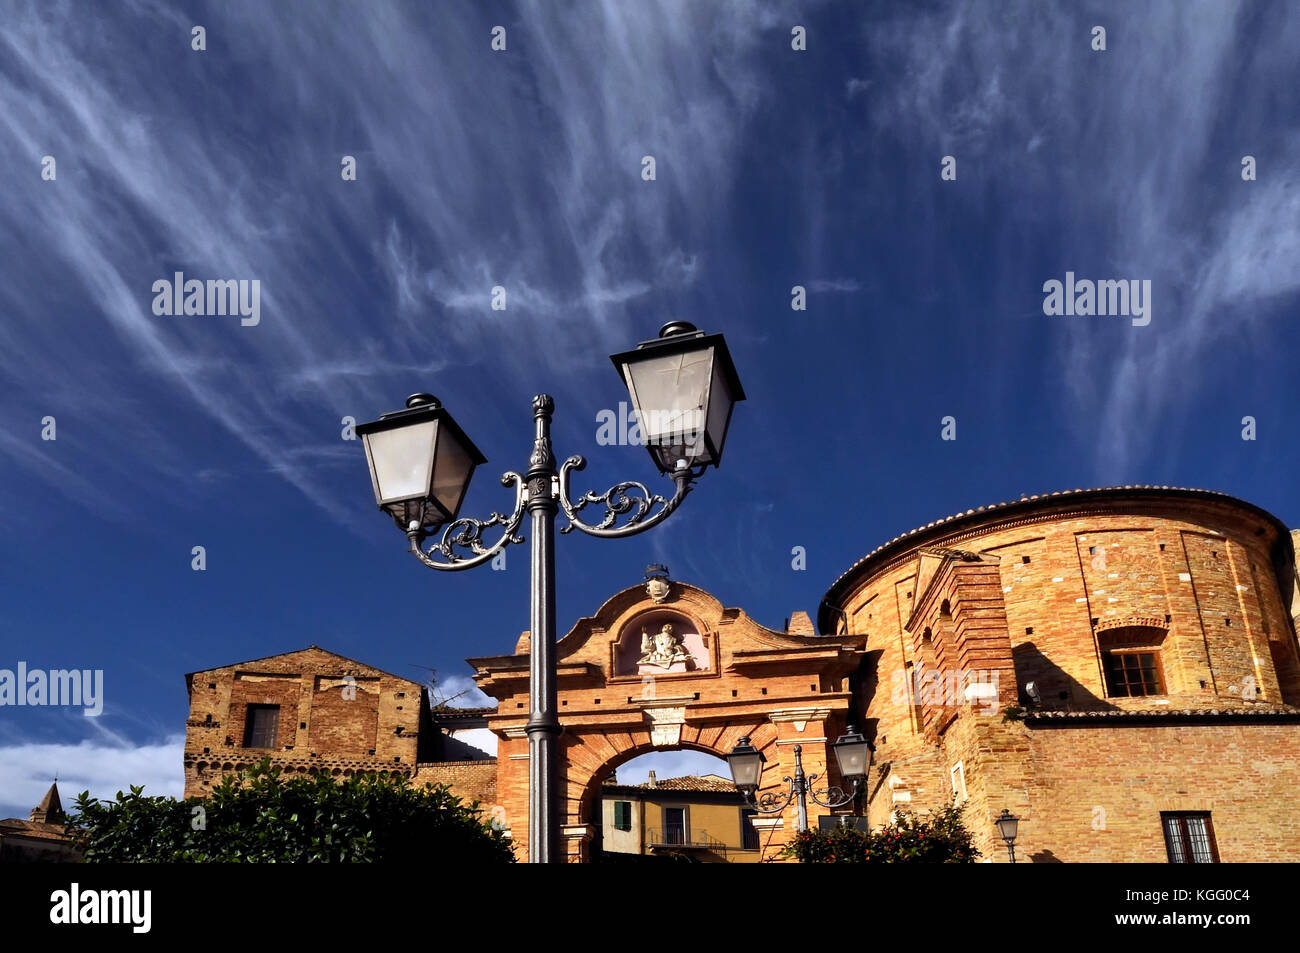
<point>258,817</point>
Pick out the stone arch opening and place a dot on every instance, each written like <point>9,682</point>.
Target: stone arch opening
<point>656,803</point>
<point>717,676</point>
<point>704,822</point>
<point>596,780</point>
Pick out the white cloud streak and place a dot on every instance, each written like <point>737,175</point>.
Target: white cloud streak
<point>473,170</point>
<point>103,767</point>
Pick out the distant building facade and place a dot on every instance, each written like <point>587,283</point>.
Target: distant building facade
<point>40,838</point>
<point>313,711</point>
<point>703,819</point>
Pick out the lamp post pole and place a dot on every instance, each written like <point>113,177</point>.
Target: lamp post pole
<point>543,727</point>
<point>800,787</point>
<point>421,463</point>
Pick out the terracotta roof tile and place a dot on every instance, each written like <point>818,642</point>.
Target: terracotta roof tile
<point>712,784</point>
<point>451,711</point>
<point>1251,711</point>
<point>17,825</point>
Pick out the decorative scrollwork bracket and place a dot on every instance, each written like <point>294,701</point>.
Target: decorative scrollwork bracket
<point>773,802</point>
<point>835,797</point>
<point>466,533</point>
<point>629,498</point>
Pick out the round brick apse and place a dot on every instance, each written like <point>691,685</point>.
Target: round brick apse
<point>1092,660</point>
<point>1116,598</point>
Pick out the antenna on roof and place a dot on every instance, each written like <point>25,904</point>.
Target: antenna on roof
<point>436,699</point>
<point>446,702</point>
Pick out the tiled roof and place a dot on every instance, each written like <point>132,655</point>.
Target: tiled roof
<point>712,784</point>
<point>1025,502</point>
<point>16,825</point>
<point>1252,711</point>
<point>51,808</point>
<point>450,711</point>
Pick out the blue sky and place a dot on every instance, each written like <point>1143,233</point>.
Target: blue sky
<point>522,168</point>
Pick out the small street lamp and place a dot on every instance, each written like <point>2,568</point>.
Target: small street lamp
<point>1008,824</point>
<point>852,756</point>
<point>683,386</point>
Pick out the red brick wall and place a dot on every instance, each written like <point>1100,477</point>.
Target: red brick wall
<point>1095,794</point>
<point>470,780</point>
<point>346,723</point>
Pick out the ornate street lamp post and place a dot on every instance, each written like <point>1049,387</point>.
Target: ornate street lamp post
<point>683,386</point>
<point>852,754</point>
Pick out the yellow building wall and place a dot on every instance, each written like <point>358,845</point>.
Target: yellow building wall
<point>717,822</point>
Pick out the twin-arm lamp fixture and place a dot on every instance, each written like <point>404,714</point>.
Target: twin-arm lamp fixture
<point>683,387</point>
<point>852,756</point>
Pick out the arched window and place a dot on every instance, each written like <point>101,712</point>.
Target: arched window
<point>1130,659</point>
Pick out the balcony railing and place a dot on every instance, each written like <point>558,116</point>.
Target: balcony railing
<point>684,840</point>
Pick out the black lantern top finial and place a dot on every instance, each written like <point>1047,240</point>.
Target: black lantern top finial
<point>677,327</point>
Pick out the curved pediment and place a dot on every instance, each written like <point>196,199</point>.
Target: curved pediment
<point>704,611</point>
<point>668,631</point>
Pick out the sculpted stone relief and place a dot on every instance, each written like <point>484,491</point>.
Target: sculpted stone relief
<point>663,648</point>
<point>661,642</point>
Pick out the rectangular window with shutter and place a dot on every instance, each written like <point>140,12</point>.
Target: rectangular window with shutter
<point>959,783</point>
<point>623,815</point>
<point>1189,837</point>
<point>261,726</point>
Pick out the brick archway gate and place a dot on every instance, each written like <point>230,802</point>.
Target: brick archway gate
<point>683,672</point>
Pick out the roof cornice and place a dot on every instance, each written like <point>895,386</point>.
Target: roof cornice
<point>1031,509</point>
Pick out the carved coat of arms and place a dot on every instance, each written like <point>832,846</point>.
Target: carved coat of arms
<point>657,583</point>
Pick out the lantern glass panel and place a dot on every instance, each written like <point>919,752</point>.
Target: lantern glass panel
<point>746,767</point>
<point>1008,826</point>
<point>720,403</point>
<point>452,468</point>
<point>670,394</point>
<point>851,756</point>
<point>400,460</point>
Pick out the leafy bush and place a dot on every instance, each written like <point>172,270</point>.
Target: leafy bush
<point>256,817</point>
<point>940,838</point>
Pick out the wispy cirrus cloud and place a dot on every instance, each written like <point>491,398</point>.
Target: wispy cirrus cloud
<point>475,169</point>
<point>1057,130</point>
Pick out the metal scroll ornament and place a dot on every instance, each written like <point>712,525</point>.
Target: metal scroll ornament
<point>466,533</point>
<point>630,499</point>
